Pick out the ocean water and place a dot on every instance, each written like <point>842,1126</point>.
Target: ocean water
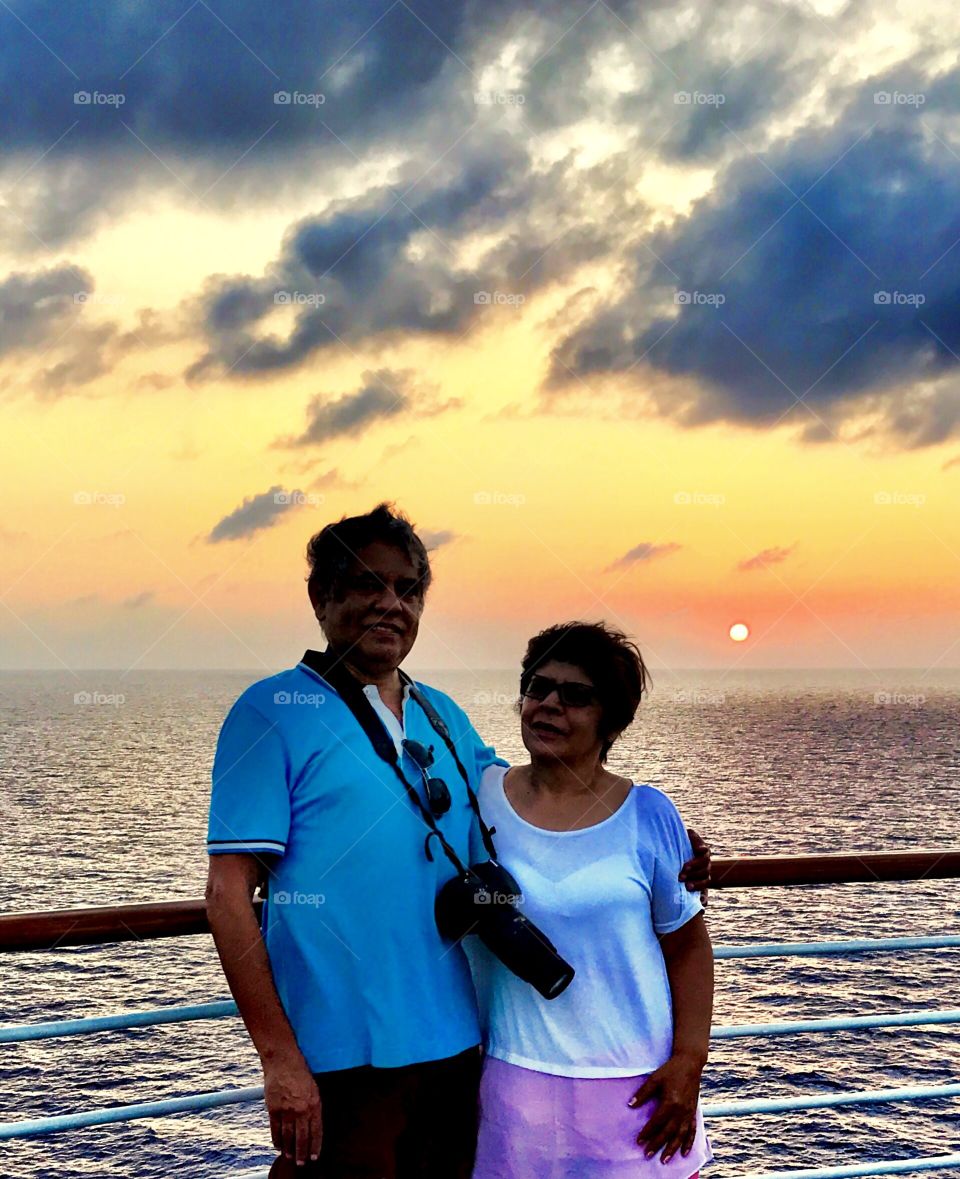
<point>104,801</point>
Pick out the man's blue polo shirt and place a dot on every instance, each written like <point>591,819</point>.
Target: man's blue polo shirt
<point>362,973</point>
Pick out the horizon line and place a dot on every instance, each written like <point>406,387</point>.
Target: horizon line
<point>264,673</point>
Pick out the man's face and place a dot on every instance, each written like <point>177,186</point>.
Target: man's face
<point>375,621</point>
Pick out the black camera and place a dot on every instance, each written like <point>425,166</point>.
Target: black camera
<point>483,900</point>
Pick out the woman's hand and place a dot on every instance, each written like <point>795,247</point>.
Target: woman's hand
<point>695,873</point>
<point>673,1125</point>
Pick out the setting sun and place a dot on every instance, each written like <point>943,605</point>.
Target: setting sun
<point>739,631</point>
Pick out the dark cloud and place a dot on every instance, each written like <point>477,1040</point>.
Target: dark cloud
<point>334,478</point>
<point>825,270</point>
<point>771,556</point>
<point>156,381</point>
<point>684,91</point>
<point>645,551</point>
<point>83,600</point>
<point>878,186</point>
<point>436,538</point>
<point>350,414</point>
<point>384,265</point>
<point>203,77</point>
<point>54,312</point>
<point>197,84</point>
<point>36,307</point>
<point>255,513</point>
<point>392,270</point>
<point>92,349</point>
<point>48,311</point>
<point>182,96</point>
<point>388,262</point>
<point>218,102</point>
<point>63,197</point>
<point>385,394</point>
<point>89,356</point>
<point>136,601</point>
<point>395,448</point>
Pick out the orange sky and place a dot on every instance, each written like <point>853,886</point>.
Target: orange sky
<point>540,507</point>
<point>591,501</point>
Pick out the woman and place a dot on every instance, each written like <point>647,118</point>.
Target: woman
<point>598,1081</point>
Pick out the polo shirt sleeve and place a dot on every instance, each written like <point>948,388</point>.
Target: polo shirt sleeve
<point>250,798</point>
<point>475,754</point>
<point>481,756</point>
<point>472,750</point>
<point>672,903</point>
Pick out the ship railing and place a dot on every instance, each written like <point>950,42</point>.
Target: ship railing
<point>24,932</point>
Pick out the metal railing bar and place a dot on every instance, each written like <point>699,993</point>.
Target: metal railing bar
<point>35,1127</point>
<point>841,1024</point>
<point>856,946</point>
<point>884,1167</point>
<point>736,1109</point>
<point>32,1128</point>
<point>117,923</point>
<point>21,1033</point>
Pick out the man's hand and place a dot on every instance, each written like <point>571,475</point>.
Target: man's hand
<point>290,1092</point>
<point>673,1125</point>
<point>695,873</point>
<point>293,1103</point>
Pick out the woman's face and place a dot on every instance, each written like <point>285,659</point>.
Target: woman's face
<point>553,731</point>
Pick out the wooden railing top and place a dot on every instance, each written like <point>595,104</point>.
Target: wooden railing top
<point>51,929</point>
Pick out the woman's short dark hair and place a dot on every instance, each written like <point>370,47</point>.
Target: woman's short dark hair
<point>331,551</point>
<point>611,661</point>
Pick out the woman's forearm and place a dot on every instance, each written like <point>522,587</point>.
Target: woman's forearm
<point>688,955</point>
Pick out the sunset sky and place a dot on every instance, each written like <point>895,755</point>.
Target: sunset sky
<point>648,313</point>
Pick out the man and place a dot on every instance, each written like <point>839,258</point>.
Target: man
<point>364,1017</point>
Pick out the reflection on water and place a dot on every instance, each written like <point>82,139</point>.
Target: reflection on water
<point>105,786</point>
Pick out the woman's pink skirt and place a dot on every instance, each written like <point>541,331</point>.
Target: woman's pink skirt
<point>540,1126</point>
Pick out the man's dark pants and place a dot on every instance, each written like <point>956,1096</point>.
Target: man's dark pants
<point>414,1122</point>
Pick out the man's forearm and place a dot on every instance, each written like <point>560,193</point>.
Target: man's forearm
<point>690,970</point>
<point>243,956</point>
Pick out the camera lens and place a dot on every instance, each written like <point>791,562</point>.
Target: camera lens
<point>484,901</point>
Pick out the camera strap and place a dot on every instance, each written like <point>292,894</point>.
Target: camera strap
<point>441,727</point>
<point>350,690</point>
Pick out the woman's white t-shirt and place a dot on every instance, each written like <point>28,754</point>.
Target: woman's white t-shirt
<point>601,894</point>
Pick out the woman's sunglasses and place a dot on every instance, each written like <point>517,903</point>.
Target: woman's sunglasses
<point>570,693</point>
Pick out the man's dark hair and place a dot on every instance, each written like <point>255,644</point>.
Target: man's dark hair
<point>611,661</point>
<point>331,551</point>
